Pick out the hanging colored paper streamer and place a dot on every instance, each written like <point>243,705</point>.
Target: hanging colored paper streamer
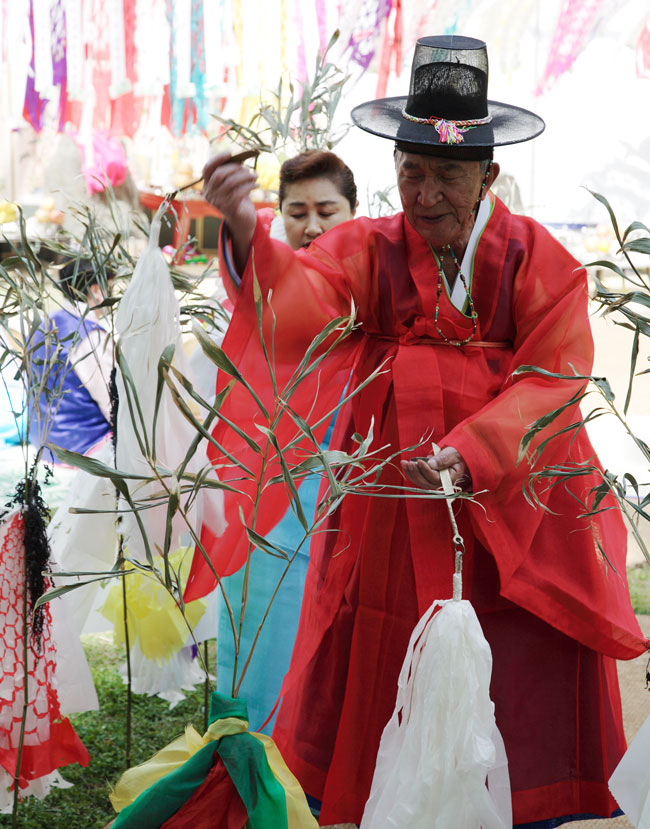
<point>217,774</point>
<point>576,20</point>
<point>155,622</point>
<point>643,52</point>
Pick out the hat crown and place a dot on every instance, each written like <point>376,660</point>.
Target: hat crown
<point>449,78</point>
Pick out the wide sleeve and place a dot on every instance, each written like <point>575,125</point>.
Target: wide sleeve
<point>307,289</point>
<point>549,309</point>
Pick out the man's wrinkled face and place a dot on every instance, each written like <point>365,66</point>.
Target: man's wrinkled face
<point>438,196</point>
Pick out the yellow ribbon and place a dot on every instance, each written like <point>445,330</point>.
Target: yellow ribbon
<point>136,780</point>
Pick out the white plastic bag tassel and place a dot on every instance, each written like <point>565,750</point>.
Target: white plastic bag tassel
<point>147,321</point>
<point>630,783</point>
<point>442,744</point>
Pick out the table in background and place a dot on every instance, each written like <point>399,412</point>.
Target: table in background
<point>186,211</point>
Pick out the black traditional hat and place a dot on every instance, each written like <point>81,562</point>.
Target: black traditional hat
<point>447,106</point>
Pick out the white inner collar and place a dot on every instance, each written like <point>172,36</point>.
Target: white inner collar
<point>458,296</point>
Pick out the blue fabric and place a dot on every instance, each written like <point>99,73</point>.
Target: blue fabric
<point>13,414</point>
<point>263,681</point>
<point>68,416</point>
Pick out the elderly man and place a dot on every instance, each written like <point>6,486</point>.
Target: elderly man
<point>452,296</point>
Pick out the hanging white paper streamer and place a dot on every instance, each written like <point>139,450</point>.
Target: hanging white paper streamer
<point>74,49</point>
<point>213,15</point>
<point>43,71</point>
<point>152,47</point>
<point>18,52</point>
<point>630,783</point>
<point>182,22</point>
<point>147,321</point>
<point>120,83</point>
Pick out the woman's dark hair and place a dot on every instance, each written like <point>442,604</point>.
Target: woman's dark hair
<point>319,164</point>
<point>78,275</point>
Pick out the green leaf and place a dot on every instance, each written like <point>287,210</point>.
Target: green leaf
<point>291,486</point>
<point>55,592</point>
<point>219,357</point>
<point>95,467</point>
<point>259,311</point>
<point>612,217</point>
<point>634,353</point>
<point>635,226</point>
<point>545,373</point>
<point>638,246</point>
<point>264,544</point>
<point>163,363</point>
<point>606,263</point>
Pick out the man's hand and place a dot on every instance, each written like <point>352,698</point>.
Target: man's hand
<point>228,187</point>
<point>425,472</point>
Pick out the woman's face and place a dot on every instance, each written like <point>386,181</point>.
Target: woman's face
<point>310,207</point>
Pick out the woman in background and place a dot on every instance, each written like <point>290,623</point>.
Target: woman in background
<point>317,192</point>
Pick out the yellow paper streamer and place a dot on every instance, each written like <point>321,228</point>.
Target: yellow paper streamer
<point>154,619</point>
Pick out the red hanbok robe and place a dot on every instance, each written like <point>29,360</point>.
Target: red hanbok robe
<point>555,613</point>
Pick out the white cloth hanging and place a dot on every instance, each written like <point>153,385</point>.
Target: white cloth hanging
<point>630,783</point>
<point>442,743</point>
<point>147,321</point>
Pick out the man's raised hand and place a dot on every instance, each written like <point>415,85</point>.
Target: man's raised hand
<point>227,186</point>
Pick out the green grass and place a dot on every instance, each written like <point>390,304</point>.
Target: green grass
<point>639,581</point>
<point>86,804</point>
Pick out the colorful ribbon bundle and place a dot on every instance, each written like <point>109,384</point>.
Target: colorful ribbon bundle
<point>237,777</point>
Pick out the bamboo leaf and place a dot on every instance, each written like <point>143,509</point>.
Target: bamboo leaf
<point>264,544</point>
<point>633,358</point>
<point>612,217</point>
<point>286,474</point>
<point>638,246</point>
<point>635,226</point>
<point>259,311</point>
<point>56,592</point>
<point>219,357</point>
<point>537,370</point>
<point>95,467</point>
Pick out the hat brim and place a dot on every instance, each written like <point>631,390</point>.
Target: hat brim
<point>509,125</point>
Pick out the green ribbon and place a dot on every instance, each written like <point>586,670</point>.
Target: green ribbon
<point>245,760</point>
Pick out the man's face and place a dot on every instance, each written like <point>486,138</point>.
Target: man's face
<point>439,196</point>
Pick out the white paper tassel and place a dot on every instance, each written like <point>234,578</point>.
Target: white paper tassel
<point>442,741</point>
<point>630,783</point>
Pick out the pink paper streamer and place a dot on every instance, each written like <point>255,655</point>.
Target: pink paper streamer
<point>576,20</point>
